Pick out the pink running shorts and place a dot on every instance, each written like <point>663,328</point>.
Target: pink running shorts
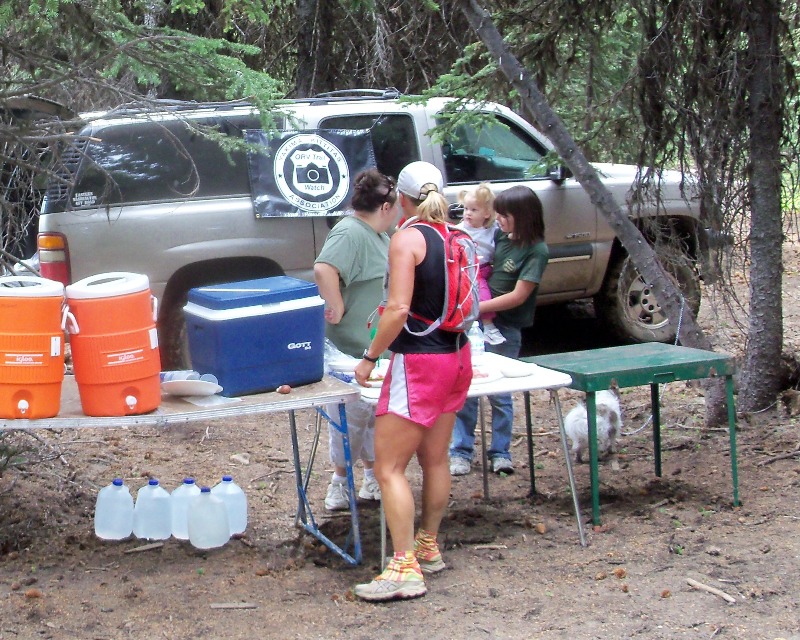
<point>422,386</point>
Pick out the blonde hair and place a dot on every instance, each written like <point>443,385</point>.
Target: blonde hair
<point>433,206</point>
<point>484,196</point>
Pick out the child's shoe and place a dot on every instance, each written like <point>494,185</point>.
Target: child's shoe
<point>491,334</point>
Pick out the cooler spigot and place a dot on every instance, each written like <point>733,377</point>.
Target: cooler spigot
<point>23,407</point>
<point>131,402</point>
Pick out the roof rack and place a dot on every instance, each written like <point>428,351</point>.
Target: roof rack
<point>166,105</point>
<point>353,94</point>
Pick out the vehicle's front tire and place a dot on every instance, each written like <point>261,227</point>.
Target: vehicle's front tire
<point>627,304</point>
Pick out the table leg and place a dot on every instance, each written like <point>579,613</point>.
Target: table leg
<point>529,429</point>
<point>383,537</point>
<point>732,435</point>
<point>655,407</point>
<point>305,515</point>
<point>302,515</point>
<point>591,415</point>
<point>481,403</point>
<point>568,459</point>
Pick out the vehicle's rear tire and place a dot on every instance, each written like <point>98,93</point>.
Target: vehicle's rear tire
<point>172,334</point>
<point>173,339</point>
<point>627,305</point>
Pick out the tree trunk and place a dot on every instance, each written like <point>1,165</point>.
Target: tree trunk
<point>641,253</point>
<point>306,60</point>
<point>760,382</point>
<point>313,47</point>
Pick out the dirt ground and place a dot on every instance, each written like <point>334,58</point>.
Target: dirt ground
<point>516,568</point>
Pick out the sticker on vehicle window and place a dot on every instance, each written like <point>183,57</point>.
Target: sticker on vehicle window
<point>306,173</point>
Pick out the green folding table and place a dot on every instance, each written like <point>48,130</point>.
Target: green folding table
<point>640,364</point>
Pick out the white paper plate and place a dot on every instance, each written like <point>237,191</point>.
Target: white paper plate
<point>190,388</point>
<point>345,365</point>
<point>370,393</point>
<point>376,383</point>
<point>491,375</point>
<point>517,369</point>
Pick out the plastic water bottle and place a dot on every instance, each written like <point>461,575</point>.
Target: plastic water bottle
<point>476,341</point>
<point>235,501</point>
<point>152,513</point>
<point>180,499</point>
<point>208,521</point>
<point>113,512</point>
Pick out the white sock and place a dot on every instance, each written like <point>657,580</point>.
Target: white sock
<point>337,479</point>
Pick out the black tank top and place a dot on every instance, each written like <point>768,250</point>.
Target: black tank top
<point>427,301</point>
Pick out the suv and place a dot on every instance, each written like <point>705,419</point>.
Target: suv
<point>146,192</point>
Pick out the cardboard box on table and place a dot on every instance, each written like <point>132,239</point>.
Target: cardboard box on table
<point>255,335</point>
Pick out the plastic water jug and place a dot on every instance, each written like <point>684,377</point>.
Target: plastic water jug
<point>208,521</point>
<point>152,513</point>
<point>235,501</point>
<point>113,512</point>
<point>180,498</point>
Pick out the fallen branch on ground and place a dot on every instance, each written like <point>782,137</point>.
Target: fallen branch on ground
<point>145,547</point>
<point>713,590</point>
<point>780,456</point>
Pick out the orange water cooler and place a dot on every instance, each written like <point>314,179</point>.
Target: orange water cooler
<point>31,347</point>
<point>112,327</point>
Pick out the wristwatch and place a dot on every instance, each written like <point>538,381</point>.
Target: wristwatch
<point>368,359</point>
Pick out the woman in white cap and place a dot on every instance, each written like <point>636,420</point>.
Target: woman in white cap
<point>425,386</point>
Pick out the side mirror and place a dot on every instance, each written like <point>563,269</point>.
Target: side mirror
<point>559,173</point>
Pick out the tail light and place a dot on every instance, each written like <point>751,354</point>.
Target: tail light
<point>54,257</point>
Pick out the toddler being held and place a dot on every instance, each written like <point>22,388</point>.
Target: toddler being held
<point>480,222</point>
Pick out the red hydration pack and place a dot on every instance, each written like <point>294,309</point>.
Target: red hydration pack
<point>461,297</point>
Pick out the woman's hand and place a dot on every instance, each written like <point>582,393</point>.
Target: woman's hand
<point>333,314</point>
<point>363,371</point>
<point>327,279</point>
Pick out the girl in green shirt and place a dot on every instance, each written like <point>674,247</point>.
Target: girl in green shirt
<point>520,259</point>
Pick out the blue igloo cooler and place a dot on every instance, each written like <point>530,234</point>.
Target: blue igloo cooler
<point>255,335</point>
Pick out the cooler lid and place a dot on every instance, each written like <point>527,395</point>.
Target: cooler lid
<point>108,285</point>
<point>30,287</point>
<point>248,293</point>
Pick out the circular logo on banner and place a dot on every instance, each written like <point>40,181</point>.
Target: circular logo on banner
<point>311,173</point>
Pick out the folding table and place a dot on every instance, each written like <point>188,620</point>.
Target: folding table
<point>634,365</point>
<point>536,378</point>
<point>176,410</point>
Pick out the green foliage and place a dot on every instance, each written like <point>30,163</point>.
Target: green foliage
<point>12,452</point>
<point>46,9</point>
<point>187,6</point>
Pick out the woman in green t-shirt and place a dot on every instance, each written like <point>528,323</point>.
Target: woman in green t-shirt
<point>349,273</point>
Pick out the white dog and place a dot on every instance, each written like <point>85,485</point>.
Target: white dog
<point>609,425</point>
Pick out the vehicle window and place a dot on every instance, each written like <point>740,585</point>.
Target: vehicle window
<point>393,138</point>
<point>159,162</point>
<point>492,151</point>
